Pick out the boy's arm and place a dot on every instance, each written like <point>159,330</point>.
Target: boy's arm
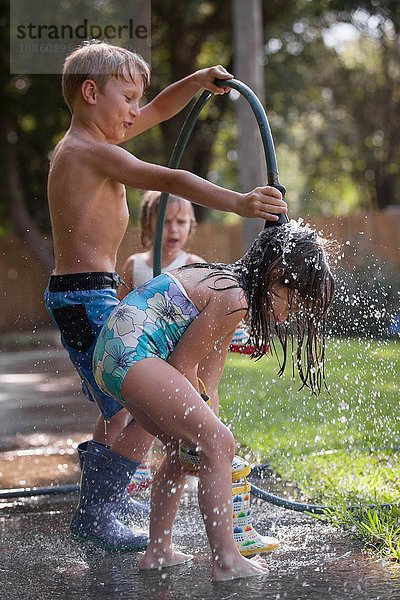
<point>176,96</point>
<point>119,165</point>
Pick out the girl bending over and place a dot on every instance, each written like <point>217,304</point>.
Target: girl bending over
<point>154,342</point>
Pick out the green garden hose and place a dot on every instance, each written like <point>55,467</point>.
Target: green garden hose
<point>183,138</point>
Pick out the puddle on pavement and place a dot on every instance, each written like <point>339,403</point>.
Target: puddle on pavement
<point>315,562</point>
<point>39,560</point>
<point>40,465</point>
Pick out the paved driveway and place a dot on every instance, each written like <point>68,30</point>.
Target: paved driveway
<point>43,416</point>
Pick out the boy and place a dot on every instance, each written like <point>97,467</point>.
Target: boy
<point>103,85</point>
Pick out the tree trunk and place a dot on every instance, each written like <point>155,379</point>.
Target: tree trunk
<point>248,33</point>
<point>24,224</point>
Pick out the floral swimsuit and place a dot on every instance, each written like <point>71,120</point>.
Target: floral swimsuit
<point>147,323</point>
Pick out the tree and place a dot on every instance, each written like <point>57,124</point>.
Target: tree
<point>204,32</point>
<point>34,115</point>
<point>248,40</point>
<point>340,146</point>
<point>338,107</point>
<point>371,70</point>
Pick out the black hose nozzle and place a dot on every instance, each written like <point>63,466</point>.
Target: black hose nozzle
<point>283,218</point>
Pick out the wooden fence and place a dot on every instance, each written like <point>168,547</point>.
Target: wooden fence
<point>23,279</point>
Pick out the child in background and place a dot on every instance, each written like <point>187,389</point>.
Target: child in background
<point>178,226</point>
<point>152,346</point>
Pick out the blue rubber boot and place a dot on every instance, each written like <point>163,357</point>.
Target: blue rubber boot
<point>97,517</point>
<point>128,507</point>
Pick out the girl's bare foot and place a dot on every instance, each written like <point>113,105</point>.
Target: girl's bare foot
<point>159,559</point>
<point>255,567</point>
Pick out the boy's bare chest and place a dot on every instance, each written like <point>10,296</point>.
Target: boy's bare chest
<point>113,194</point>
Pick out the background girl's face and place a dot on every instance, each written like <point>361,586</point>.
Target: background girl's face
<point>177,225</point>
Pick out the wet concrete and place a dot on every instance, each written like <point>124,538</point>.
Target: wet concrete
<point>40,394</point>
<point>43,416</point>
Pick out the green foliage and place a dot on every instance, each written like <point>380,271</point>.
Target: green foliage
<point>35,120</point>
<point>336,102</point>
<point>377,528</point>
<point>223,168</point>
<point>333,105</point>
<point>338,448</point>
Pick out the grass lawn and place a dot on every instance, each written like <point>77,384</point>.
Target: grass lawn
<point>339,448</point>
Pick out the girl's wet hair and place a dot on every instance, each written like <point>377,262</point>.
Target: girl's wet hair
<point>294,256</point>
<point>148,214</point>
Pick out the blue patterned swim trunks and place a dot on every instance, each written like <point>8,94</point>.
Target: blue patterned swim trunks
<point>147,323</point>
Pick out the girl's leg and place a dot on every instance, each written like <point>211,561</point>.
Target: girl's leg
<point>134,441</point>
<point>167,490</point>
<point>173,405</point>
<point>168,485</point>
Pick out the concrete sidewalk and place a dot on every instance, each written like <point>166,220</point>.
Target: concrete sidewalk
<point>43,417</point>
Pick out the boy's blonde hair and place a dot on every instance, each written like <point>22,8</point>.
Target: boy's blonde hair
<point>148,213</point>
<point>100,62</point>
